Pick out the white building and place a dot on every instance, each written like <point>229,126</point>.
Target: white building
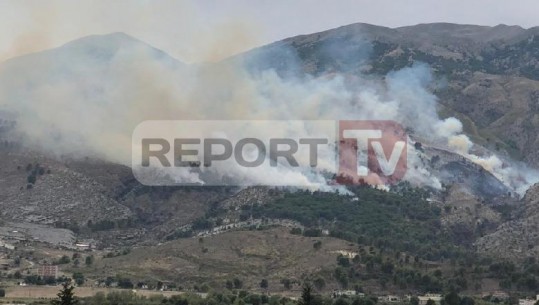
<point>349,293</point>
<point>423,299</point>
<point>528,301</point>
<point>390,299</point>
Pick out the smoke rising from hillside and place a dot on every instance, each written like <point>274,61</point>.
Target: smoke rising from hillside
<point>86,98</point>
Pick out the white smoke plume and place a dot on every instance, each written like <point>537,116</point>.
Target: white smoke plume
<point>86,98</point>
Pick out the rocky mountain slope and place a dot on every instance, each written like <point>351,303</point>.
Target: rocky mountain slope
<point>488,78</point>
<point>488,74</point>
<point>519,237</point>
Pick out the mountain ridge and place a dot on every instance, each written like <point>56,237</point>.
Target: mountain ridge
<point>127,214</point>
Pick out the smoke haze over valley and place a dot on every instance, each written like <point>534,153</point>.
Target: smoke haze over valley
<point>463,219</point>
<point>85,98</point>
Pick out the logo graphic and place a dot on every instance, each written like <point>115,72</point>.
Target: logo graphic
<point>372,152</point>
<point>273,153</point>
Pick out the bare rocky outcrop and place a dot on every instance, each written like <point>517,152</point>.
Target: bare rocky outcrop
<point>56,194</point>
<point>466,216</point>
<point>517,238</point>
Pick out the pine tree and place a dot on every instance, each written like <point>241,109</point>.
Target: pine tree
<point>66,295</point>
<point>307,297</point>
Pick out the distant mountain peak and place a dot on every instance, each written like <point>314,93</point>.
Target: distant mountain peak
<point>92,50</point>
<point>116,39</point>
<point>107,45</point>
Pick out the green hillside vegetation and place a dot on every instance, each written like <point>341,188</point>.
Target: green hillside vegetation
<point>398,221</point>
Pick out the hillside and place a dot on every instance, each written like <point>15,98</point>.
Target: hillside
<point>66,171</point>
<point>488,74</point>
<point>518,237</point>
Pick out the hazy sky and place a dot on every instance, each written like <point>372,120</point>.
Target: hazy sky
<point>198,30</point>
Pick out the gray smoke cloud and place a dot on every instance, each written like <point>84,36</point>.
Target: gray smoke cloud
<point>86,98</point>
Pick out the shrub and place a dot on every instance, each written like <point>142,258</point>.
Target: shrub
<point>31,179</point>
